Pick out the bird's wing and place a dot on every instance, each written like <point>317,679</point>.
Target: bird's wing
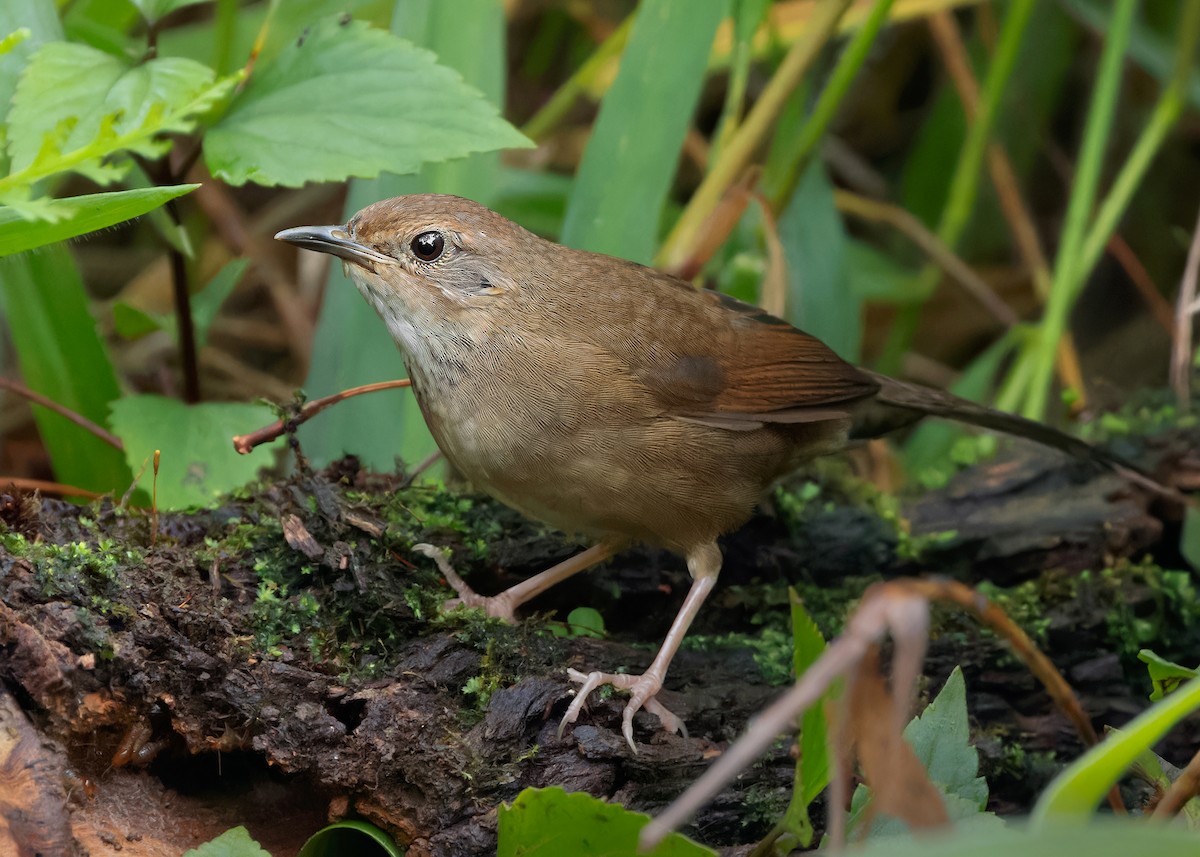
<point>743,368</point>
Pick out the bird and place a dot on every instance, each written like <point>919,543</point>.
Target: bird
<point>611,400</point>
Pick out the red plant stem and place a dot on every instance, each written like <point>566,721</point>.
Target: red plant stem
<point>63,411</point>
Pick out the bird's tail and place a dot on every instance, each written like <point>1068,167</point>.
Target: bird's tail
<point>899,403</point>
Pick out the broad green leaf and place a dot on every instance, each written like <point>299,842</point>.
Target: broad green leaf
<point>551,822</point>
<point>207,303</point>
<point>352,345</point>
<point>78,215</point>
<point>1075,793</point>
<point>940,735</point>
<point>1166,676</point>
<point>586,622</point>
<point>235,842</point>
<point>40,18</point>
<point>68,91</point>
<point>199,464</point>
<point>347,99</point>
<point>631,155</point>
<point>822,298</point>
<point>1100,838</point>
<point>1161,775</point>
<point>153,10</point>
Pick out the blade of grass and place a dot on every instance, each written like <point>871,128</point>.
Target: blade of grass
<point>964,186</point>
<point>1079,207</point>
<point>61,357</point>
<point>737,154</point>
<point>830,100</point>
<point>630,159</point>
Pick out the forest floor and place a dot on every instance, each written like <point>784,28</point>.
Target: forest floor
<point>281,660</point>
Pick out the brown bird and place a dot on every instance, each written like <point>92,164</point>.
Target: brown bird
<point>609,399</point>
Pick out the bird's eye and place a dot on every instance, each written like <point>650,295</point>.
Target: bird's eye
<point>428,246</point>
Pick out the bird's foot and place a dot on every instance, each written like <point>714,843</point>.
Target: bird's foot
<point>497,606</point>
<point>643,689</point>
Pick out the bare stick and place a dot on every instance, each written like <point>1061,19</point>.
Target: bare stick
<point>63,411</point>
<point>244,443</point>
<point>1185,787</point>
<point>1181,353</point>
<point>48,487</point>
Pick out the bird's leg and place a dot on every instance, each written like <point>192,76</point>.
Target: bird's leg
<point>704,564</point>
<point>504,605</point>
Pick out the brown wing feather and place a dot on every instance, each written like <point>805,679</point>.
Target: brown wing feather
<point>757,369</point>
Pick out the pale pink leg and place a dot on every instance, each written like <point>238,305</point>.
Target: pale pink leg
<point>704,563</point>
<point>504,605</point>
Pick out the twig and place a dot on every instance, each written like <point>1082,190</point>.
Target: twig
<point>937,251</point>
<point>894,608</point>
<point>48,487</point>
<point>245,443</point>
<point>1159,306</point>
<point>1185,787</point>
<point>1185,308</point>
<point>63,411</point>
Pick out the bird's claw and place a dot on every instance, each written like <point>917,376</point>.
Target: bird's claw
<point>643,689</point>
<point>497,606</point>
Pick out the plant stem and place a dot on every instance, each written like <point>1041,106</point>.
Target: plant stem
<point>737,154</point>
<point>964,186</point>
<point>823,112</point>
<point>564,98</point>
<point>181,296</point>
<point>1067,269</point>
<point>63,411</point>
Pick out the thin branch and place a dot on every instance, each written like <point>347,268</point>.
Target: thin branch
<point>63,411</point>
<point>48,487</point>
<point>1159,306</point>
<point>937,251</point>
<point>1185,787</point>
<point>1181,352</point>
<point>245,443</point>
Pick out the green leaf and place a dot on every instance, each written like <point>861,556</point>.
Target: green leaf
<point>875,276</point>
<point>940,737</point>
<point>154,10</point>
<point>133,323</point>
<point>68,91</point>
<point>630,159</point>
<point>344,838</point>
<point>235,842</point>
<point>61,356</point>
<point>808,645</point>
<point>551,822</point>
<point>1166,676</point>
<point>1074,793</point>
<point>13,39</point>
<point>821,299</point>
<point>199,464</point>
<point>942,741</point>
<point>347,99</point>
<point>207,303</point>
<point>78,215</point>
<point>1101,838</point>
<point>586,622</point>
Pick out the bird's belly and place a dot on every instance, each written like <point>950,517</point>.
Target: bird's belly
<point>655,480</point>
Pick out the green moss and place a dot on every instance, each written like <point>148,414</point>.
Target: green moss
<point>83,573</point>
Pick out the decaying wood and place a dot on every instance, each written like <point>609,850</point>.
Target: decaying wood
<point>171,683</point>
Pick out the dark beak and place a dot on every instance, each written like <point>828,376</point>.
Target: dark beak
<point>334,240</point>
